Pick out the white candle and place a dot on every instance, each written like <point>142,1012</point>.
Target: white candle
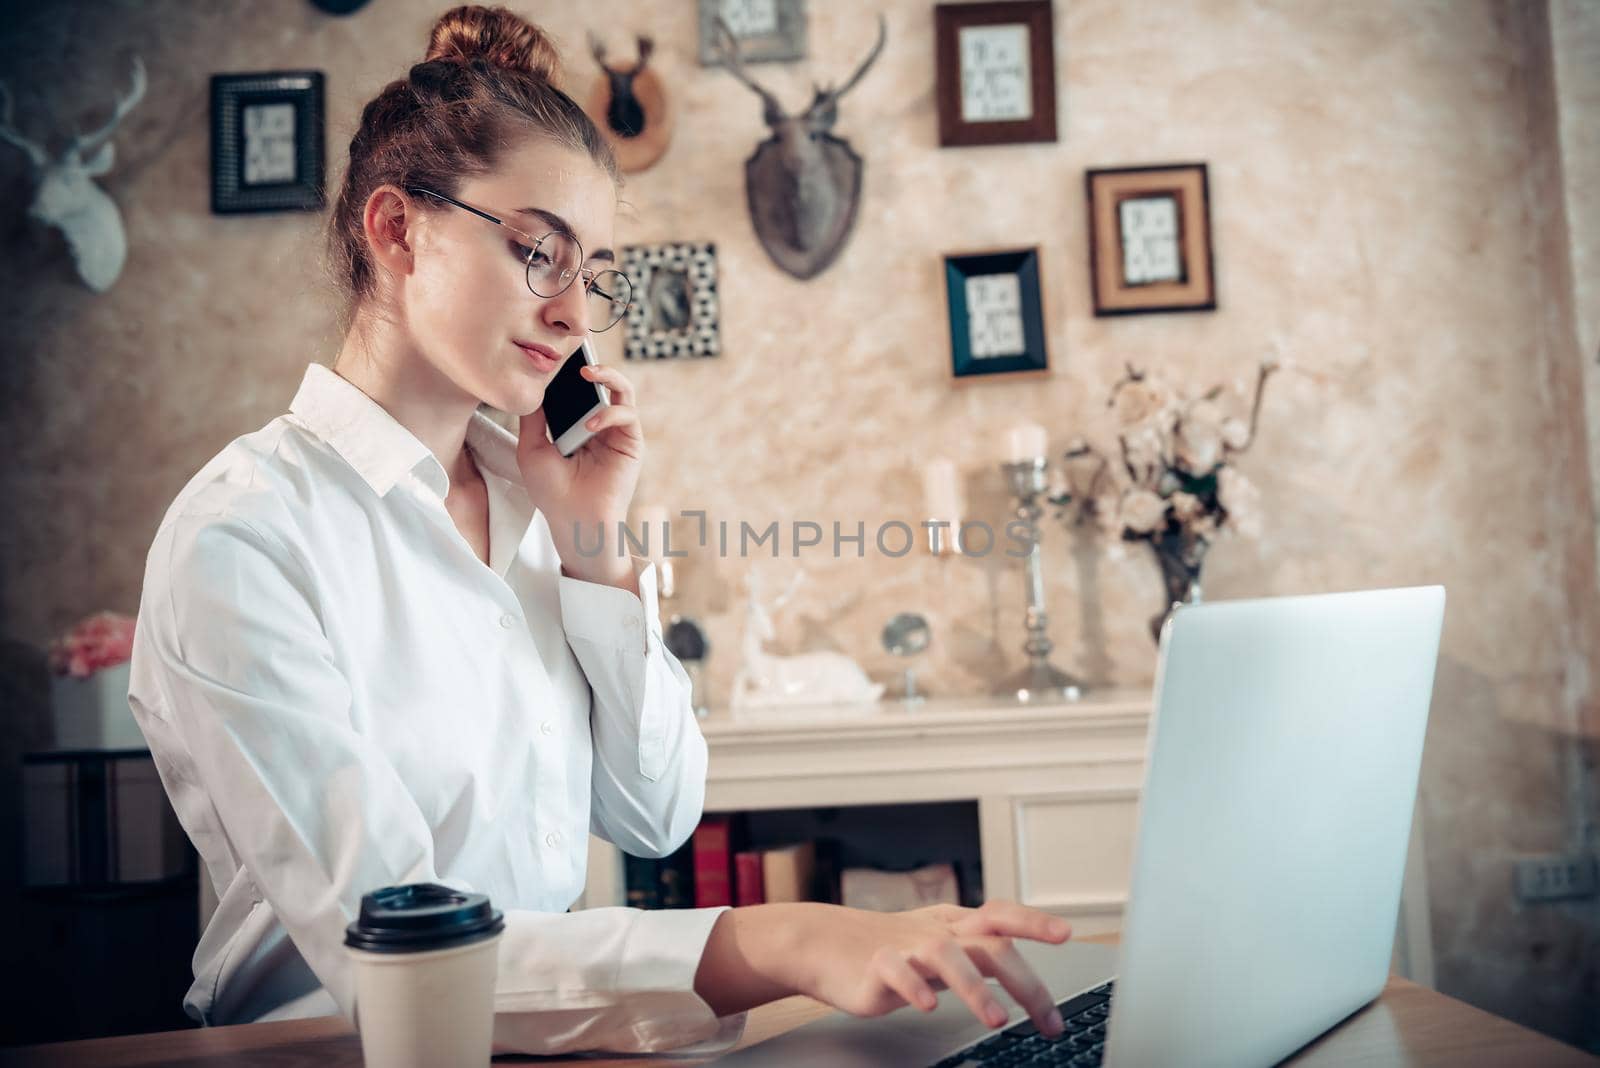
<point>941,491</point>
<point>1027,442</point>
<point>651,528</point>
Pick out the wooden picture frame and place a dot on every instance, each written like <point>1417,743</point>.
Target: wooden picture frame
<point>994,66</point>
<point>768,31</point>
<point>675,310</point>
<point>1150,239</point>
<point>268,149</point>
<point>996,309</point>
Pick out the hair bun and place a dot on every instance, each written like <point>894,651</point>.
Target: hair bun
<point>496,35</point>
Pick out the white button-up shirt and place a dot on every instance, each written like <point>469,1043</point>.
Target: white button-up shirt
<point>339,695</point>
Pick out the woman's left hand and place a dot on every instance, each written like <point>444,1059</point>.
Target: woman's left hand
<point>592,487</point>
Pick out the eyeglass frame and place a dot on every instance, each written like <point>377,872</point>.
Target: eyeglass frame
<point>588,274</point>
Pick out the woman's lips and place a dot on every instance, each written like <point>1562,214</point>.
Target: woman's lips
<point>543,356</point>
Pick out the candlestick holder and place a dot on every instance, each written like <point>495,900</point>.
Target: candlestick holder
<point>1040,680</point>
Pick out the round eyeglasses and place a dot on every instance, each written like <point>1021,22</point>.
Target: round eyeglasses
<point>553,261</point>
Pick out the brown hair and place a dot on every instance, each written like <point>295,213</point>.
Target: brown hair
<point>486,81</point>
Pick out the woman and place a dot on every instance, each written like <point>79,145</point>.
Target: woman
<point>369,653</point>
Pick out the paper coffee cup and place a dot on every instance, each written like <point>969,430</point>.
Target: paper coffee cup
<point>425,958</point>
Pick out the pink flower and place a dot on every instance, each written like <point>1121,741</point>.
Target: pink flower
<point>103,640</point>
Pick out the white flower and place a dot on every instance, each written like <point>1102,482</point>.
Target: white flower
<point>1143,511</point>
<point>1242,501</point>
<point>1186,506</point>
<point>1141,403</point>
<point>1200,439</point>
<point>1235,434</point>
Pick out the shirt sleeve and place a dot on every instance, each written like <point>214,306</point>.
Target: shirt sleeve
<point>649,775</point>
<point>318,815</point>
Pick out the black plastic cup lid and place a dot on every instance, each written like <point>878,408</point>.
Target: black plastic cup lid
<point>422,916</point>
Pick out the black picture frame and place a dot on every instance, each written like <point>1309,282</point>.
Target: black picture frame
<point>676,308</point>
<point>1023,264</point>
<point>295,185</point>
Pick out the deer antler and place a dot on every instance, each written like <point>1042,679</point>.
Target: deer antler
<point>730,55</point>
<point>788,590</point>
<point>10,133</point>
<point>84,142</point>
<point>831,96</point>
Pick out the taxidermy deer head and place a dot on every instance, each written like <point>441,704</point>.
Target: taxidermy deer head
<point>629,104</point>
<point>802,183</point>
<point>68,199</point>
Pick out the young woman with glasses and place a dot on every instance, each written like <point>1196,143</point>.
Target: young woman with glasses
<point>369,653</point>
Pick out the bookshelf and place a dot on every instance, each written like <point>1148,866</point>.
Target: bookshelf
<point>1035,803</point>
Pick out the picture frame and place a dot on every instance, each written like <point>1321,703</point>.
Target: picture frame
<point>768,31</point>
<point>1150,239</point>
<point>675,310</point>
<point>996,313</point>
<point>268,142</point>
<point>995,75</point>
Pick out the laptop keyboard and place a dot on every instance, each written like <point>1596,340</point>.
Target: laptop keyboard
<point>1081,1045</point>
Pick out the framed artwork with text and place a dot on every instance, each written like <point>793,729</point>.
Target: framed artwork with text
<point>994,66</point>
<point>1150,239</point>
<point>996,313</point>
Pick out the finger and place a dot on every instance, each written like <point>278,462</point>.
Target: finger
<point>612,379</point>
<point>615,415</point>
<point>950,960</point>
<point>897,974</point>
<point>1012,920</point>
<point>999,957</point>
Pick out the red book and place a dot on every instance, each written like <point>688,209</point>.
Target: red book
<point>748,886</point>
<point>713,864</point>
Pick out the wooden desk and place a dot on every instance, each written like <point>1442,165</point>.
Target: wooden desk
<point>1407,1025</point>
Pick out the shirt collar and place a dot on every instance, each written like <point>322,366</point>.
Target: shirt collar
<point>383,451</point>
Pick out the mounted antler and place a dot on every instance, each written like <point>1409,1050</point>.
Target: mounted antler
<point>803,183</point>
<point>11,135</point>
<point>728,51</point>
<point>84,143</point>
<point>828,98</point>
<point>67,199</point>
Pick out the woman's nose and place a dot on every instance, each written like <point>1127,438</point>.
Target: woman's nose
<point>567,311</point>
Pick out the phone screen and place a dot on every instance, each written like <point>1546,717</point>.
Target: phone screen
<point>569,396</point>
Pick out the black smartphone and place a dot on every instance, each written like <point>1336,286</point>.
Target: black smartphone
<point>570,399</point>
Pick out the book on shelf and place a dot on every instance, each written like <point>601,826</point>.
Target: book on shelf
<point>713,862</point>
<point>640,883</point>
<point>897,891</point>
<point>788,871</point>
<point>748,886</point>
<point>675,877</point>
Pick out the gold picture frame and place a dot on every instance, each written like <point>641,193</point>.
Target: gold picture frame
<point>1150,239</point>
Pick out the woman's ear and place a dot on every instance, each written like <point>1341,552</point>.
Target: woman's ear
<point>386,221</point>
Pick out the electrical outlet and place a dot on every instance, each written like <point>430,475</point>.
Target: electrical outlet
<point>1556,878</point>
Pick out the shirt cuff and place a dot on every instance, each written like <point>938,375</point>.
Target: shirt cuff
<point>611,615</point>
<point>663,952</point>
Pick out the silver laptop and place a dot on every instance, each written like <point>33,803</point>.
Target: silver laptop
<point>1282,770</point>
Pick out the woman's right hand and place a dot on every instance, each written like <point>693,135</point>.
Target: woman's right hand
<point>871,963</point>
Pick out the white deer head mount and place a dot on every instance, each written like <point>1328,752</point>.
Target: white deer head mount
<point>66,196</point>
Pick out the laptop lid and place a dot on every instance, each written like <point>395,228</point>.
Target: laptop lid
<point>1282,769</point>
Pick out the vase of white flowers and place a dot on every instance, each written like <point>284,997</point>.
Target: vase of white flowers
<point>1171,485</point>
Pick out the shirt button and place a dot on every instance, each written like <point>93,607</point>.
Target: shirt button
<point>545,728</point>
<point>630,622</point>
<point>508,621</point>
<point>551,839</point>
